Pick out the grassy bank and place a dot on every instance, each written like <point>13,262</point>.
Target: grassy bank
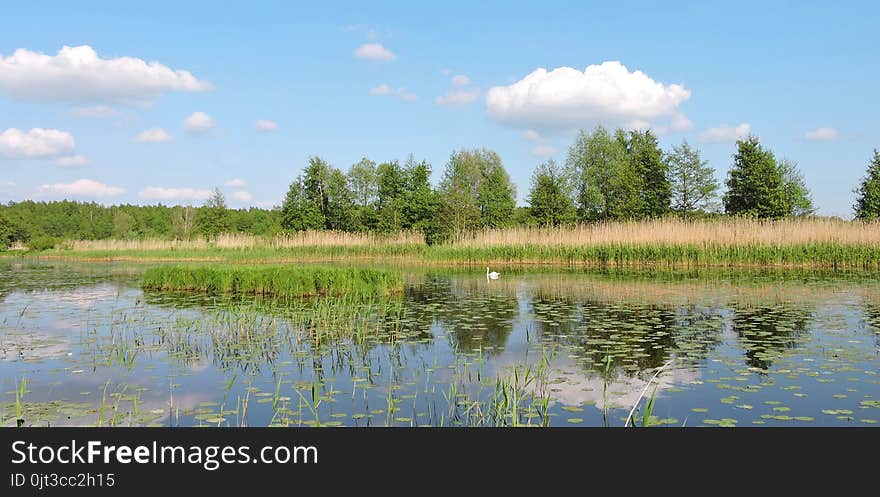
<point>817,242</point>
<point>283,282</point>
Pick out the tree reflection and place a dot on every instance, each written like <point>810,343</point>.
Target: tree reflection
<point>766,331</point>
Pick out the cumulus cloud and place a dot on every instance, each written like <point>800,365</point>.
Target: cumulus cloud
<point>198,122</point>
<point>82,188</point>
<point>72,161</point>
<point>235,183</point>
<point>460,80</point>
<point>725,133</point>
<point>161,193</point>
<point>266,125</point>
<point>544,150</point>
<point>374,51</point>
<point>80,75</point>
<point>35,144</point>
<point>565,98</point>
<point>385,90</point>
<point>153,135</point>
<point>822,134</point>
<point>457,97</point>
<point>95,111</point>
<point>531,135</point>
<point>242,196</point>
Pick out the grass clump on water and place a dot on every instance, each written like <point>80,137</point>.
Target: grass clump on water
<point>274,281</point>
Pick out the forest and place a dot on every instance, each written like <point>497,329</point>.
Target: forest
<point>607,176</point>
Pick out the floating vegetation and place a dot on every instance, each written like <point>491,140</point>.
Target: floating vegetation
<point>88,347</point>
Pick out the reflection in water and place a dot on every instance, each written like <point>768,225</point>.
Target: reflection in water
<point>451,350</point>
<point>766,332</point>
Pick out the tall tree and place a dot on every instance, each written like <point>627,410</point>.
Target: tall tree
<point>693,186</point>
<point>390,202</point>
<point>550,202</point>
<point>496,195</point>
<point>798,200</point>
<point>646,158</point>
<point>183,222</point>
<point>606,185</point>
<point>340,203</point>
<point>867,204</point>
<point>363,181</point>
<point>754,184</point>
<point>298,211</point>
<point>423,205</point>
<point>213,218</point>
<point>477,190</point>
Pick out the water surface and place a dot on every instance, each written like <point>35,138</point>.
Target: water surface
<point>553,348</point>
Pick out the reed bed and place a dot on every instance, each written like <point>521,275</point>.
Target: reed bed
<point>671,242</point>
<point>228,241</point>
<point>279,282</point>
<point>675,231</point>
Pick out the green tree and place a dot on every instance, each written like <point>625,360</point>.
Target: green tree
<point>692,181</point>
<point>606,184</point>
<point>754,183</point>
<point>298,211</point>
<point>183,222</point>
<point>123,224</point>
<point>423,205</point>
<point>550,202</point>
<point>867,204</point>
<point>798,200</point>
<point>390,199</point>
<point>364,182</point>
<point>646,158</point>
<point>340,203</point>
<point>477,191</point>
<point>10,231</point>
<point>213,218</point>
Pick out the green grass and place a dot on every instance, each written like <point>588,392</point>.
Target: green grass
<point>813,255</point>
<point>274,281</point>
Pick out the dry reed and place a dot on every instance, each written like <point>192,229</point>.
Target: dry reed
<point>673,231</point>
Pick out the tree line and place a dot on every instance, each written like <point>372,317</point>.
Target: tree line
<point>606,176</point>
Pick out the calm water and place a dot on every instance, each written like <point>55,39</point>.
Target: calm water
<point>534,348</point>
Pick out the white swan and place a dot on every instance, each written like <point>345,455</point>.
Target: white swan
<point>493,275</point>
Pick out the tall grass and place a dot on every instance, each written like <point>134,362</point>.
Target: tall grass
<point>676,231</point>
<point>309,238</point>
<point>808,242</point>
<point>285,282</point>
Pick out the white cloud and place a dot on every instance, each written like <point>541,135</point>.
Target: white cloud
<point>34,144</point>
<point>822,134</point>
<point>460,80</point>
<point>725,133</point>
<point>153,135</point>
<point>78,74</point>
<point>565,98</point>
<point>73,161</point>
<point>544,150</point>
<point>161,193</point>
<point>374,51</point>
<point>531,135</point>
<point>235,183</point>
<point>402,93</point>
<point>82,188</point>
<point>94,111</point>
<point>198,122</point>
<point>266,125</point>
<point>457,97</point>
<point>242,196</point>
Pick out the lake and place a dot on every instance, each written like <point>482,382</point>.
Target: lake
<point>538,347</point>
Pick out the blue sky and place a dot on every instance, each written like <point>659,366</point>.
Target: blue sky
<point>800,75</point>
